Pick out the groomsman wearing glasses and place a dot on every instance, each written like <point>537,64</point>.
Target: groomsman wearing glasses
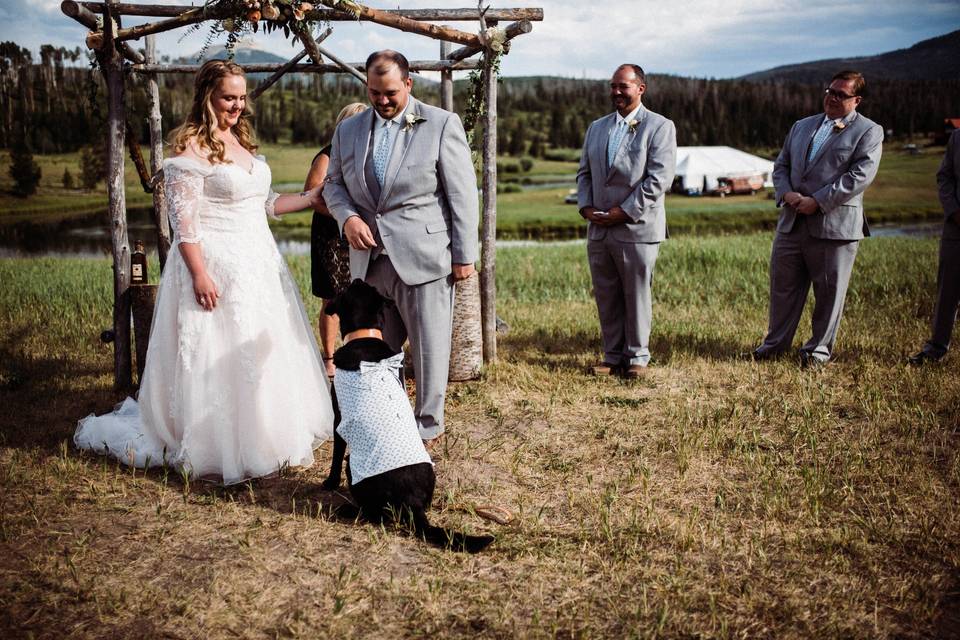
<point>627,165</point>
<point>948,275</point>
<point>827,162</point>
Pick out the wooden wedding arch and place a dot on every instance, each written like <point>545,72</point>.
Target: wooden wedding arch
<point>110,42</point>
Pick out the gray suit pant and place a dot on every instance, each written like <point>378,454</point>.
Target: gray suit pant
<point>424,314</point>
<point>948,297</point>
<point>622,274</point>
<point>797,261</point>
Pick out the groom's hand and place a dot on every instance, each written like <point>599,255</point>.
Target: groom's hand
<point>463,271</point>
<point>358,234</point>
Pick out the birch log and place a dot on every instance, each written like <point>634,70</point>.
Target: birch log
<point>332,15</point>
<point>111,64</point>
<point>488,257</point>
<point>156,158</point>
<point>446,80</point>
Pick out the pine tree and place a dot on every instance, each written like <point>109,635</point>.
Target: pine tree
<point>67,179</point>
<point>93,167</point>
<point>24,171</point>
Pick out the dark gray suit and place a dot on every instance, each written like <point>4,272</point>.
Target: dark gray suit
<point>425,216</point>
<point>819,249</point>
<point>948,274</point>
<point>622,256</point>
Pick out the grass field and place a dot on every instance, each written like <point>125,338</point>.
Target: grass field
<point>716,497</point>
<point>905,190</point>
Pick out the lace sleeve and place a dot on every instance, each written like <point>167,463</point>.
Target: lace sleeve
<point>271,201</point>
<point>184,191</point>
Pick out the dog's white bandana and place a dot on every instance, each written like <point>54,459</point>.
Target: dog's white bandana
<point>377,421</point>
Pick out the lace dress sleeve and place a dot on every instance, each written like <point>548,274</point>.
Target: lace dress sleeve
<point>183,184</point>
<point>270,203</point>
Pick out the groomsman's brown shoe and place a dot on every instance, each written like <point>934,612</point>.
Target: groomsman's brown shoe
<point>635,372</point>
<point>604,369</point>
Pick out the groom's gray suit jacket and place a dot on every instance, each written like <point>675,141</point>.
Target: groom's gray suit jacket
<point>836,178</point>
<point>636,181</point>
<point>427,213</point>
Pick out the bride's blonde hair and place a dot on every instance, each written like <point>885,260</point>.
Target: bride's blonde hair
<point>201,123</point>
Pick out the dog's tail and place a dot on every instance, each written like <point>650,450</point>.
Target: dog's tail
<point>453,540</point>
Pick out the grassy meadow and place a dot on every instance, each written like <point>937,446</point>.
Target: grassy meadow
<point>716,497</point>
<point>904,191</point>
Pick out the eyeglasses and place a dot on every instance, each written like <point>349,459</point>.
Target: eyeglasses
<point>839,95</point>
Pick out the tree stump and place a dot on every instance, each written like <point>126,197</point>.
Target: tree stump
<point>143,297</point>
<point>466,349</point>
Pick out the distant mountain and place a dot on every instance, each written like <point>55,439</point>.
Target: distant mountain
<point>934,59</point>
<point>244,53</point>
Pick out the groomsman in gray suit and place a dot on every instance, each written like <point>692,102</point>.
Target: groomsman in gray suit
<point>827,162</point>
<point>627,165</point>
<point>948,275</point>
<point>402,187</point>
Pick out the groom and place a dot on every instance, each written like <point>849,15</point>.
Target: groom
<point>402,187</point>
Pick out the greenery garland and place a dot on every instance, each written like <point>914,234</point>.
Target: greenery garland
<point>476,100</point>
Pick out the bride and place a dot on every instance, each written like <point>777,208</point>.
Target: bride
<point>233,386</point>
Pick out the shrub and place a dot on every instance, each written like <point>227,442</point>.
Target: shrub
<point>67,179</point>
<point>24,171</point>
<point>526,164</point>
<point>509,187</point>
<point>93,167</point>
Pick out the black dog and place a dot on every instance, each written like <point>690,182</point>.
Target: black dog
<point>402,494</point>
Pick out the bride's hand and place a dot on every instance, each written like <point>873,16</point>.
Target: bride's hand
<point>205,292</point>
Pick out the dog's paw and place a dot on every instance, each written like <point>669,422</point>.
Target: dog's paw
<point>331,483</point>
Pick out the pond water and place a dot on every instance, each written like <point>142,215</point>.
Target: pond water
<point>89,236</point>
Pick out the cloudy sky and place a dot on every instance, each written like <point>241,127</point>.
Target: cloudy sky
<point>578,38</point>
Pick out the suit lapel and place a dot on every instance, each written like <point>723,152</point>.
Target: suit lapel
<point>361,147</point>
<point>804,140</point>
<point>600,142</point>
<point>831,140</point>
<point>400,146</point>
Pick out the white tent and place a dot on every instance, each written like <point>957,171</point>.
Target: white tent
<point>699,167</point>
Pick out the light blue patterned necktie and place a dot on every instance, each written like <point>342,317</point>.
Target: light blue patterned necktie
<point>821,136</point>
<point>616,137</point>
<point>382,151</point>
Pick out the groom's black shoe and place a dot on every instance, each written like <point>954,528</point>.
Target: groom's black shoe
<point>810,361</point>
<point>764,355</point>
<point>921,358</point>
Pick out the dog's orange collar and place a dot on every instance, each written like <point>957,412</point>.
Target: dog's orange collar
<point>363,333</point>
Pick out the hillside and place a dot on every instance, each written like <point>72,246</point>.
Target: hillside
<point>934,59</point>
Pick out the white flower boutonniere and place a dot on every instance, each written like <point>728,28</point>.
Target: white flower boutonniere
<point>838,125</point>
<point>632,126</point>
<point>411,119</point>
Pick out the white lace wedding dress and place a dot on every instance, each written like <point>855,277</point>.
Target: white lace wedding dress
<point>233,393</point>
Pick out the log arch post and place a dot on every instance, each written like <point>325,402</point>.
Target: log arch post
<point>446,79</point>
<point>111,63</point>
<point>488,257</point>
<point>156,156</point>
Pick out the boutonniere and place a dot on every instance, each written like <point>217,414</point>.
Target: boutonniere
<point>411,119</point>
<point>632,125</point>
<point>838,125</point>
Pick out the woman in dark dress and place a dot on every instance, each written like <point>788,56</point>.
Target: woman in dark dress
<point>329,252</point>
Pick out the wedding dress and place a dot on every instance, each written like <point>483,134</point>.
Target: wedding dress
<point>237,392</point>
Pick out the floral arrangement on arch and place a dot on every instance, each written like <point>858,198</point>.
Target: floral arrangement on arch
<point>249,16</point>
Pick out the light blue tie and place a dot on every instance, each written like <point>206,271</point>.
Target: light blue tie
<point>382,151</point>
<point>616,137</point>
<point>821,136</point>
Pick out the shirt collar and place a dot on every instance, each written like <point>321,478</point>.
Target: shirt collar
<point>397,119</point>
<point>845,119</point>
<point>630,116</point>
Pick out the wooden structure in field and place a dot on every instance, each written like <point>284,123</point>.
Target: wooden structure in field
<point>110,41</point>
